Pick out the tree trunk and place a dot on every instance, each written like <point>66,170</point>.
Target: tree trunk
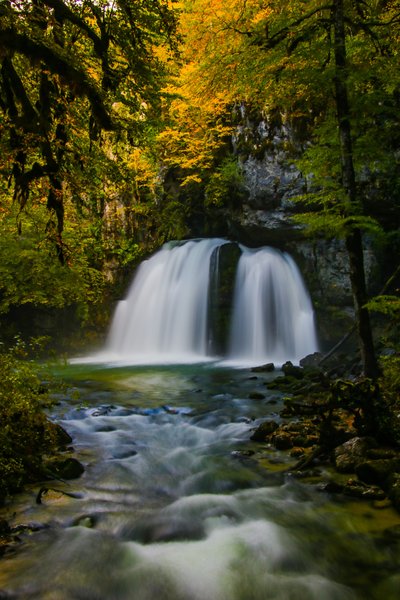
<point>353,237</point>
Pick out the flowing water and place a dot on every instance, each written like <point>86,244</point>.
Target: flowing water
<point>273,317</point>
<point>173,505</point>
<point>165,315</point>
<point>176,502</point>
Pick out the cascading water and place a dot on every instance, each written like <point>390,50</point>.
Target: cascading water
<point>170,506</point>
<point>171,314</point>
<point>273,319</point>
<point>176,501</point>
<point>164,317</point>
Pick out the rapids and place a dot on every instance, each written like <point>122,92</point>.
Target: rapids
<point>173,505</point>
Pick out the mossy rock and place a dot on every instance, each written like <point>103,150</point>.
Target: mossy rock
<point>377,471</point>
<point>264,430</point>
<point>64,468</point>
<point>394,490</point>
<point>290,370</point>
<point>62,437</point>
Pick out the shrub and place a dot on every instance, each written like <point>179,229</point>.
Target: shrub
<point>26,434</point>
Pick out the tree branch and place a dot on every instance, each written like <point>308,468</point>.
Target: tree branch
<point>57,62</point>
<point>280,35</point>
<point>63,12</point>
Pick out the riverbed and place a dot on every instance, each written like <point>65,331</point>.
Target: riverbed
<point>176,502</point>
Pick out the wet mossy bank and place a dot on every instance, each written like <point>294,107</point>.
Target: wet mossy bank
<point>32,447</point>
<point>337,428</point>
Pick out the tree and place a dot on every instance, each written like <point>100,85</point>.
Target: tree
<point>70,73</point>
<point>313,60</point>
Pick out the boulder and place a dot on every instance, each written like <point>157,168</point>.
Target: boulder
<point>350,454</point>
<point>63,438</point>
<point>377,471</point>
<point>64,468</point>
<point>264,430</point>
<point>256,396</point>
<point>283,440</point>
<point>290,370</point>
<point>311,360</point>
<point>267,368</point>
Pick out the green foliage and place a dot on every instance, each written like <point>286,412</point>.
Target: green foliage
<point>79,83</point>
<point>390,392</point>
<point>225,186</point>
<point>331,223</point>
<point>26,435</point>
<point>30,273</point>
<point>387,305</point>
<point>172,224</point>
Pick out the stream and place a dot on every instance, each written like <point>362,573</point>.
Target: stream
<point>174,505</point>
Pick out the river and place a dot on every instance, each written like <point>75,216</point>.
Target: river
<point>173,505</point>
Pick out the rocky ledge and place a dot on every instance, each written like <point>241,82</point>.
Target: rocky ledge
<point>340,430</point>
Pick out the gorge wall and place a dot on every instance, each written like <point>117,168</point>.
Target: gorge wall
<point>266,150</point>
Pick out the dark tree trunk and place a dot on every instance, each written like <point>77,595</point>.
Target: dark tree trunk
<point>353,237</point>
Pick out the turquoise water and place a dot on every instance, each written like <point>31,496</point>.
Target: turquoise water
<point>174,505</point>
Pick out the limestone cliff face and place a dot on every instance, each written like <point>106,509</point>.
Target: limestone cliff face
<point>271,181</point>
<point>266,150</point>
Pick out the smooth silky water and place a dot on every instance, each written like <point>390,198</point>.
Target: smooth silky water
<point>173,505</point>
<point>165,315</point>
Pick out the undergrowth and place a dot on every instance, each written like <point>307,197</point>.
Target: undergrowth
<point>26,434</point>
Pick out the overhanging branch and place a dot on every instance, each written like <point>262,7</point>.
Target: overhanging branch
<point>57,62</point>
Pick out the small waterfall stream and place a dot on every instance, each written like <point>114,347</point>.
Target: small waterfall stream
<point>165,316</point>
<point>273,318</point>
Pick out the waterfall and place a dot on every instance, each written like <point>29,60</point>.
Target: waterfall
<point>172,313</point>
<point>165,315</point>
<point>273,319</point>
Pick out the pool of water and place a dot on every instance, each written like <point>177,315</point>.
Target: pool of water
<point>173,505</point>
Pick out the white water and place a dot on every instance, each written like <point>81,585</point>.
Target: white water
<point>171,507</point>
<point>164,318</point>
<point>273,319</point>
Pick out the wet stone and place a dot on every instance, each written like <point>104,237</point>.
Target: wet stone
<point>267,368</point>
<point>47,495</point>
<point>263,431</point>
<point>351,453</point>
<point>161,529</point>
<point>311,360</point>
<point>394,489</point>
<point>377,471</point>
<point>124,453</point>
<point>4,527</point>
<point>63,438</point>
<point>283,440</point>
<point>290,370</point>
<point>65,468</point>
<point>242,454</point>
<point>358,489</point>
<point>88,521</point>
<point>256,396</point>
<point>105,429</point>
<point>297,452</point>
